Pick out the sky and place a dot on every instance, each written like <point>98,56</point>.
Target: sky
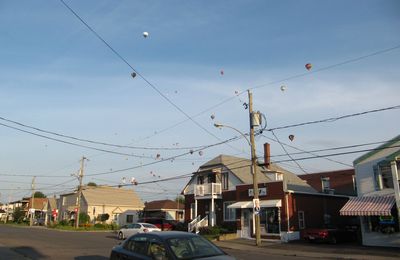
<point>62,83</point>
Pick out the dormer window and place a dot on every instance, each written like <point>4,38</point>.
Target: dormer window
<point>200,180</point>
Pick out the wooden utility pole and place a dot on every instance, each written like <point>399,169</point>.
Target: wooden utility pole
<point>32,208</point>
<point>253,168</point>
<point>80,177</point>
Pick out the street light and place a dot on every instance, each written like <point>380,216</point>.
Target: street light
<point>253,162</point>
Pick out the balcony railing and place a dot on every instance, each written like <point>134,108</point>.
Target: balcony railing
<point>208,189</point>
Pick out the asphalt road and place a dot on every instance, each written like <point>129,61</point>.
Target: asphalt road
<point>41,243</point>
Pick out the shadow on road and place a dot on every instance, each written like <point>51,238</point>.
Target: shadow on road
<point>91,257</point>
<point>29,251</point>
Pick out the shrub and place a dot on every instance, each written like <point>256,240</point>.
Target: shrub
<point>64,222</point>
<point>83,218</point>
<point>99,226</point>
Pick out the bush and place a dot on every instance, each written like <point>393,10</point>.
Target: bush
<point>64,222</point>
<point>99,226</point>
<point>210,230</point>
<point>83,218</point>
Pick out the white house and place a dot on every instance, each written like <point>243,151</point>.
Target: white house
<point>378,201</point>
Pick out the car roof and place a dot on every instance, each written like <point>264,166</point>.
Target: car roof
<point>170,234</point>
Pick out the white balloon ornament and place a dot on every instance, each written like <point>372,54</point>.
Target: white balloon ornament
<point>145,34</point>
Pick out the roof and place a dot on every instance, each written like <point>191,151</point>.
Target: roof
<point>163,204</point>
<point>240,167</point>
<point>39,203</point>
<point>382,151</point>
<point>52,203</point>
<point>109,196</point>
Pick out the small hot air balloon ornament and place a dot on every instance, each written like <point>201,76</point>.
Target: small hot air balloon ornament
<point>158,156</point>
<point>201,153</point>
<point>191,151</point>
<point>291,137</point>
<point>212,116</point>
<point>222,72</point>
<point>133,181</point>
<point>283,88</point>
<point>133,74</point>
<point>308,66</point>
<point>145,34</point>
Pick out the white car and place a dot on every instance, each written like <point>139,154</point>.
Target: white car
<point>131,229</point>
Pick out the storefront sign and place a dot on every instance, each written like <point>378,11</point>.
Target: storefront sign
<point>261,192</point>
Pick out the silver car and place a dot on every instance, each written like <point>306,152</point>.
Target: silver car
<point>131,229</point>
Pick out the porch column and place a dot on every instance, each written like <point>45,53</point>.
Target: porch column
<point>212,211</point>
<point>395,176</point>
<point>195,207</point>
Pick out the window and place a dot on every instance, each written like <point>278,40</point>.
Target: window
<point>211,178</point>
<point>64,201</point>
<point>200,180</point>
<point>229,214</point>
<point>302,222</point>
<point>138,245</point>
<point>157,250</point>
<point>326,185</point>
<point>129,218</point>
<point>354,184</point>
<point>225,181</point>
<point>383,176</point>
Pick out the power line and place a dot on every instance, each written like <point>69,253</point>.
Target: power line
<point>333,119</point>
<point>284,149</point>
<point>139,74</point>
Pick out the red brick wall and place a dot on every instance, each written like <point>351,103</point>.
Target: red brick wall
<point>341,181</point>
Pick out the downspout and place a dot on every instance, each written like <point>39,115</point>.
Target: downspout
<point>395,176</point>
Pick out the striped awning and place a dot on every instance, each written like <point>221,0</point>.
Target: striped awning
<point>368,206</point>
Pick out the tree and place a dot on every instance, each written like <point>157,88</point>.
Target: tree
<point>18,215</point>
<point>84,218</point>
<point>93,184</point>
<point>39,194</point>
<point>180,199</point>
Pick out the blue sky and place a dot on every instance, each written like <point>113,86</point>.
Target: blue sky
<point>57,76</point>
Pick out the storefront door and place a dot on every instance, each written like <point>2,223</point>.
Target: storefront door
<point>247,220</point>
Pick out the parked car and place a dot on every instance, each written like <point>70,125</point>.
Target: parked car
<point>135,228</point>
<point>163,224</point>
<point>168,245</point>
<point>330,235</point>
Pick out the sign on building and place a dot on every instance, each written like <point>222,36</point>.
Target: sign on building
<point>261,192</point>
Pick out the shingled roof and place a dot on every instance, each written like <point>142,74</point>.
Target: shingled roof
<point>163,204</point>
<point>104,195</point>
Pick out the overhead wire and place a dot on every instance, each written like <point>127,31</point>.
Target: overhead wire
<point>139,74</point>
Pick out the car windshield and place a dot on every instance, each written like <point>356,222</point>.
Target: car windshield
<point>149,226</point>
<point>193,248</point>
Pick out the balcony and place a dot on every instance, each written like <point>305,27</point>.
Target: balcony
<point>207,190</point>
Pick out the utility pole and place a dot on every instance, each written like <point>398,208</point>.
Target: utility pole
<point>80,177</point>
<point>253,168</point>
<point>32,209</point>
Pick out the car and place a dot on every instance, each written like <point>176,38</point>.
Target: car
<point>134,228</point>
<point>330,235</point>
<point>163,224</point>
<point>168,245</point>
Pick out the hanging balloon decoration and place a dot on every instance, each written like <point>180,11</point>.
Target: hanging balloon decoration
<point>236,92</point>
<point>308,66</point>
<point>291,137</point>
<point>123,180</point>
<point>212,117</point>
<point>222,72</point>
<point>158,156</point>
<point>283,88</point>
<point>133,74</point>
<point>133,181</point>
<point>145,34</point>
<point>201,153</point>
<point>191,151</point>
<point>245,105</point>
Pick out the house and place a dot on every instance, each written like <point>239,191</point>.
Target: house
<point>165,209</point>
<point>121,205</point>
<point>378,201</point>
<point>341,182</point>
<point>221,192</point>
<point>37,207</point>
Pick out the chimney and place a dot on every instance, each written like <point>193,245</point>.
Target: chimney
<point>267,155</point>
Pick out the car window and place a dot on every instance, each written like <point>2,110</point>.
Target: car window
<point>149,225</point>
<point>157,250</point>
<point>136,226</point>
<point>138,245</point>
<point>193,247</point>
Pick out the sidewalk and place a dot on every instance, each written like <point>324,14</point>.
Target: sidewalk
<point>314,250</point>
<point>6,253</point>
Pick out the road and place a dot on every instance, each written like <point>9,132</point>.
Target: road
<point>41,243</point>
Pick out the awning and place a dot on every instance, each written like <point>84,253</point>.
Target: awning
<point>368,206</point>
<point>249,204</point>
